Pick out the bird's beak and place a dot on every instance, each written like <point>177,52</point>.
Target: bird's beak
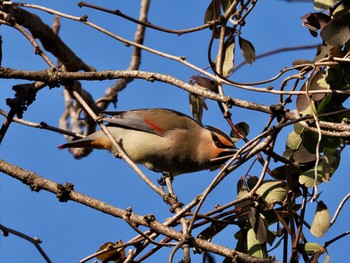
<point>228,153</point>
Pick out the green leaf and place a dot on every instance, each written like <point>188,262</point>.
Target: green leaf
<point>211,231</point>
<point>242,191</point>
<point>205,83</point>
<point>307,178</point>
<point>213,11</point>
<point>229,59</point>
<point>298,128</point>
<point>315,21</point>
<point>271,236</point>
<point>241,188</point>
<point>226,4</point>
<point>323,4</point>
<point>112,255</point>
<point>217,31</point>
<point>311,248</point>
<point>257,222</point>
<point>255,249</point>
<point>303,104</point>
<point>324,51</point>
<point>316,255</point>
<point>279,173</point>
<point>301,62</point>
<point>197,104</point>
<point>293,141</point>
<point>273,191</point>
<point>328,165</point>
<point>337,31</point>
<point>316,82</point>
<point>337,77</point>
<point>330,162</point>
<point>241,237</point>
<point>322,220</point>
<point>247,49</point>
<point>242,128</point>
<point>252,181</point>
<point>303,156</point>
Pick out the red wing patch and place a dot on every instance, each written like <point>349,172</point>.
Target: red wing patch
<point>154,126</point>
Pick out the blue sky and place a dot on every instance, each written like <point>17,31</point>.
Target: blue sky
<point>71,231</point>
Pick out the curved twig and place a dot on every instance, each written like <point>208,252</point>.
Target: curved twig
<point>342,203</point>
<point>145,23</point>
<point>276,51</point>
<point>42,125</point>
<point>35,241</point>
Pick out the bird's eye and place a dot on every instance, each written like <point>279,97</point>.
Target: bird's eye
<point>217,142</point>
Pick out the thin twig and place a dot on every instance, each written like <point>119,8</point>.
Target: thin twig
<point>276,51</point>
<point>147,24</point>
<point>42,125</point>
<point>342,203</point>
<point>31,40</point>
<point>35,241</point>
<point>326,244</point>
<point>112,92</point>
<point>121,152</point>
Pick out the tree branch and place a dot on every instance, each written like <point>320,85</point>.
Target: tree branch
<point>65,193</point>
<point>35,241</point>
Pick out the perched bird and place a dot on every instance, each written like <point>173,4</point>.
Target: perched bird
<point>163,140</point>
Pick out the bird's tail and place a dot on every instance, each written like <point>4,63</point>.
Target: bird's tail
<point>81,143</point>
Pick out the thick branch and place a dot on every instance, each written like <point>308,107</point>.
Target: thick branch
<point>58,77</point>
<point>38,183</point>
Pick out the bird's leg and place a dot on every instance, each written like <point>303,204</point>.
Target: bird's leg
<point>162,180</point>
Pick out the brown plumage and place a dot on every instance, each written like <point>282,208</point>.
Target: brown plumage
<point>163,140</point>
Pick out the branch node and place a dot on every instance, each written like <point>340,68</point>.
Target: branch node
<point>176,205</point>
<point>30,181</point>
<point>43,125</point>
<point>37,50</point>
<point>83,18</point>
<point>128,212</point>
<point>278,111</point>
<point>230,102</point>
<point>10,19</point>
<point>149,218</point>
<point>151,78</point>
<point>63,194</point>
<point>5,233</point>
<point>37,240</point>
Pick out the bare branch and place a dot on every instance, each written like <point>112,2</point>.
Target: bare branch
<point>38,183</point>
<point>42,125</point>
<point>35,241</point>
<point>112,92</point>
<point>146,23</point>
<point>340,207</point>
<point>50,41</point>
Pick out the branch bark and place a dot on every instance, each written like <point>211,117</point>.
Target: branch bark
<point>65,193</point>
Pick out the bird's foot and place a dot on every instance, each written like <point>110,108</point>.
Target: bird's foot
<point>162,180</point>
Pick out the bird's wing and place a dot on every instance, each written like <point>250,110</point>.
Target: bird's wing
<point>132,120</point>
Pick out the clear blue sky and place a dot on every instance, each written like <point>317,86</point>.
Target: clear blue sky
<point>71,231</point>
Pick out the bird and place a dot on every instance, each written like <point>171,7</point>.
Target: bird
<point>163,140</point>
